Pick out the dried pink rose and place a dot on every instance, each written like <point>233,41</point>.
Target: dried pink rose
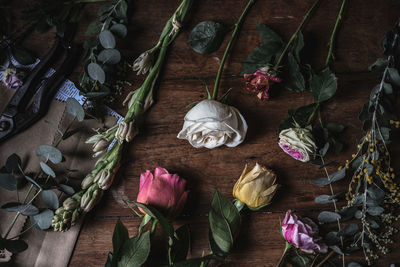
<point>12,78</point>
<point>163,190</point>
<point>302,234</point>
<point>260,82</point>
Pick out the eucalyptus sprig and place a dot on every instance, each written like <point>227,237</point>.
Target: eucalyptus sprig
<point>104,65</point>
<point>139,100</point>
<point>372,195</point>
<point>45,183</point>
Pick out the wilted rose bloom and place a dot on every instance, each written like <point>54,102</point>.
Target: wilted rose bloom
<point>260,81</point>
<point>298,143</point>
<point>212,124</point>
<point>302,234</point>
<point>256,187</point>
<point>12,78</point>
<point>163,191</point>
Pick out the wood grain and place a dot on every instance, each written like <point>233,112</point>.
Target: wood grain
<point>259,244</point>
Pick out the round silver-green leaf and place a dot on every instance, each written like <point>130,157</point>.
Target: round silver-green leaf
<point>49,152</point>
<point>109,56</point>
<point>107,39</point>
<point>96,72</point>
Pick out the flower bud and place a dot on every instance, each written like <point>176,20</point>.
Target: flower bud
<point>260,81</point>
<point>106,179</point>
<point>298,143</point>
<point>88,181</point>
<point>90,198</point>
<point>143,63</point>
<point>256,187</point>
<point>132,132</point>
<point>12,78</point>
<point>122,131</point>
<point>101,145</point>
<point>70,204</point>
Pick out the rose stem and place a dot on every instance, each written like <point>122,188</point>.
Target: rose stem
<point>325,259</point>
<point>293,37</point>
<point>287,247</point>
<point>333,35</point>
<point>235,32</point>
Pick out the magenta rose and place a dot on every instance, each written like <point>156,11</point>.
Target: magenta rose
<point>302,234</point>
<point>260,81</point>
<point>163,191</point>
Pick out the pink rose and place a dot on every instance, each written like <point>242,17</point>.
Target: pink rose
<point>302,234</point>
<point>260,81</point>
<point>163,191</point>
<point>12,78</point>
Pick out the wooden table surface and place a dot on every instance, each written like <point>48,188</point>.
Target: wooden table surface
<point>181,83</point>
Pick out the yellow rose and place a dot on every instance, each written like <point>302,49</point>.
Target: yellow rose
<point>256,187</point>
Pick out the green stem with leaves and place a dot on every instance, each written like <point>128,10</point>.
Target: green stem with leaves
<point>333,35</point>
<point>238,25</point>
<point>294,36</point>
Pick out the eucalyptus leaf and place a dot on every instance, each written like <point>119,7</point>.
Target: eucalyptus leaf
<point>394,76</point>
<point>43,219</point>
<point>119,30</point>
<point>375,192</point>
<point>26,210</point>
<point>107,39</point>
<point>33,182</point>
<point>332,238</point>
<point>207,36</point>
<point>324,199</point>
<point>379,65</point>
<point>354,264</point>
<point>15,246</point>
<point>323,86</point>
<point>96,72</point>
<point>66,189</point>
<point>347,213</point>
<point>8,181</point>
<point>49,152</point>
<point>13,163</point>
<point>74,108</point>
<point>373,224</point>
<point>135,251</point>
<point>339,175</point>
<point>94,28</point>
<point>348,230</point>
<point>121,10</point>
<point>328,217</point>
<point>335,127</point>
<point>375,211</point>
<point>324,150</point>
<point>224,221</point>
<point>109,56</point>
<point>47,169</point>
<point>50,198</point>
<point>320,181</point>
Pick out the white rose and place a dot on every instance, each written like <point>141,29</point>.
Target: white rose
<point>298,143</point>
<point>211,124</point>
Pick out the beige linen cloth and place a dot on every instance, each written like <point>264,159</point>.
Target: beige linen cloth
<point>46,248</point>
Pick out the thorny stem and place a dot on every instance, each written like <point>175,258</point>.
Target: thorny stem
<point>228,48</point>
<point>333,35</point>
<point>294,36</point>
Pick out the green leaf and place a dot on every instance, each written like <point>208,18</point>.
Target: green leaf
<point>335,127</point>
<point>50,198</point>
<point>354,264</point>
<point>8,181</point>
<point>207,36</point>
<point>194,262</point>
<point>321,181</point>
<point>339,175</point>
<point>107,39</point>
<point>324,150</point>
<point>180,245</point>
<point>379,65</point>
<point>119,30</point>
<point>74,108</point>
<point>331,238</point>
<point>298,46</point>
<point>375,211</point>
<point>96,72</point>
<point>135,250</point>
<point>261,56</point>
<point>328,217</point>
<point>47,169</point>
<point>13,163</point>
<point>323,86</point>
<point>94,28</point>
<point>296,80</point>
<point>224,221</point>
<point>26,210</point>
<point>49,152</point>
<point>23,56</point>
<point>383,134</point>
<point>109,56</point>
<point>15,246</point>
<point>43,219</point>
<point>324,199</point>
<point>121,10</point>
<point>109,262</point>
<point>151,211</point>
<point>120,236</point>
<point>268,35</point>
<point>33,182</point>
